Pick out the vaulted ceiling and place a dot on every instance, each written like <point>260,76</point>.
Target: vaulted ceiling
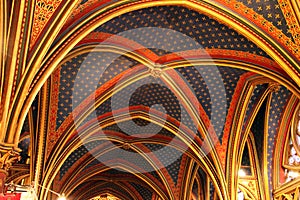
<point>155,99</point>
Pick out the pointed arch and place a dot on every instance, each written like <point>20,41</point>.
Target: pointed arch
<point>238,137</point>
<point>77,33</point>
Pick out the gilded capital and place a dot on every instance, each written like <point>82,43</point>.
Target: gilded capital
<point>7,159</point>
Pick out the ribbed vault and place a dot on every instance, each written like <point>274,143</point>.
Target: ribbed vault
<point>154,99</point>
<point>197,69</point>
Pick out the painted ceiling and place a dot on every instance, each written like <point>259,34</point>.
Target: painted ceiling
<point>150,98</point>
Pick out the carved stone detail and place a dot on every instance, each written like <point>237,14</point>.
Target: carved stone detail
<point>156,71</point>
<point>126,146</point>
<point>7,159</point>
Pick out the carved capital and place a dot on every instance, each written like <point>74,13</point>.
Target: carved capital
<point>7,159</point>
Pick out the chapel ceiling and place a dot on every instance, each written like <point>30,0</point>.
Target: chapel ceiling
<point>195,67</point>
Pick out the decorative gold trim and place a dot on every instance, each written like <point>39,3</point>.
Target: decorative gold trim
<point>295,120</point>
<point>7,159</point>
<point>255,170</point>
<point>10,68</point>
<point>286,188</point>
<point>296,8</point>
<point>37,60</point>
<point>118,182</point>
<point>99,102</point>
<point>123,9</point>
<point>291,12</point>
<point>262,192</point>
<point>184,191</point>
<point>3,50</point>
<point>237,128</point>
<point>66,151</point>
<point>247,192</point>
<point>130,80</point>
<point>187,63</point>
<point>31,152</point>
<point>39,164</point>
<point>247,132</point>
<point>27,32</point>
<point>20,105</point>
<point>73,183</point>
<point>197,119</point>
<point>283,138</point>
<point>240,65</point>
<point>265,148</point>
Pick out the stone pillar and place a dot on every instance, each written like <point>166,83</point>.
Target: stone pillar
<point>6,160</point>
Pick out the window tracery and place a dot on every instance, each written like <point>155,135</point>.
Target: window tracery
<point>291,163</point>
